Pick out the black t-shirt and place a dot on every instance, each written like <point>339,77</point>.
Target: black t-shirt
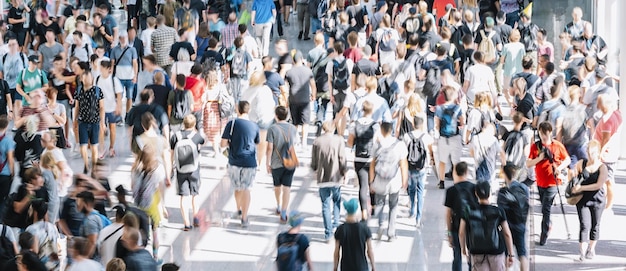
<point>18,14</point>
<point>494,214</point>
<point>303,243</point>
<point>181,45</point>
<point>72,216</point>
<point>134,117</point>
<point>216,56</point>
<point>41,29</point>
<point>353,240</point>
<point>160,94</point>
<point>284,59</point>
<point>526,106</point>
<point>13,218</point>
<point>453,201</point>
<point>59,85</point>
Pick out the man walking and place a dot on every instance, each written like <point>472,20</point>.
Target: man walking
<point>241,137</point>
<point>162,39</point>
<point>125,63</point>
<point>549,158</point>
<point>330,162</point>
<point>389,173</point>
<point>458,198</point>
<point>89,118</point>
<point>513,199</point>
<point>448,121</point>
<point>280,137</point>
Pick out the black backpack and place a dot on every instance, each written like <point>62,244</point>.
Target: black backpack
<point>432,85</point>
<point>387,91</point>
<point>417,152</point>
<point>467,201</point>
<point>364,139</point>
<point>319,73</point>
<point>6,247</point>
<point>514,149</point>
<point>514,201</point>
<point>341,75</point>
<point>483,233</point>
<point>181,104</point>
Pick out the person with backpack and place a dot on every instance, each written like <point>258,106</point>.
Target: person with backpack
<point>187,18</point>
<point>362,136</point>
<point>185,146</point>
<point>528,31</point>
<point>387,41</point>
<point>365,66</point>
<point>353,242</point>
<point>600,87</point>
<point>47,235</point>
<point>467,57</point>
<point>329,161</point>
<point>411,26</point>
<point>7,167</point>
<point>532,81</point>
<point>179,104</point>
<point>485,235</point>
<point>8,246</point>
<point>125,63</point>
<point>514,199</point>
<point>553,109</point>
<point>459,199</point>
<point>503,29</point>
<point>239,67</point>
<point>489,42</point>
<point>388,175</point>
<point>89,118</point>
<point>549,158</point>
<point>14,65</point>
<point>420,155</point>
<point>449,119</point>
<point>574,134</point>
<point>339,70</point>
<point>92,224</point>
<point>110,235</point>
<point>431,74</point>
<point>293,246</point>
<point>359,18</point>
<point>485,149</point>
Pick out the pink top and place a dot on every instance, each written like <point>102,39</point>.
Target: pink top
<point>547,49</point>
<point>612,125</point>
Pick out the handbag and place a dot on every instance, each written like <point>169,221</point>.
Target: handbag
<point>574,198</point>
<point>288,156</point>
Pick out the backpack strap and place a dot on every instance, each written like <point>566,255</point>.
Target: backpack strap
<point>113,233</point>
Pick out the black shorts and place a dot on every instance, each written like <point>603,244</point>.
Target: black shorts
<point>300,113</point>
<point>288,3</point>
<point>188,183</point>
<point>282,176</point>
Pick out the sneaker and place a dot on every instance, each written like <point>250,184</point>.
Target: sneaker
<point>590,254</point>
<point>392,238</point>
<point>300,35</point>
<point>543,239</point>
<point>380,234</point>
<point>245,223</point>
<point>448,175</point>
<point>187,228</point>
<point>277,211</point>
<point>307,38</point>
<point>441,185</point>
<point>196,222</point>
<point>418,224</point>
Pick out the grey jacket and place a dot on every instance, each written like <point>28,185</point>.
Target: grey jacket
<point>329,158</point>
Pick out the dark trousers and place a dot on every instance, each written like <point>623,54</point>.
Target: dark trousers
<point>589,217</point>
<point>5,187</point>
<point>363,174</point>
<point>457,262</point>
<point>279,25</point>
<point>546,196</point>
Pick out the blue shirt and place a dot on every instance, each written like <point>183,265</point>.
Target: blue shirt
<point>242,146</point>
<point>263,10</point>
<point>6,145</point>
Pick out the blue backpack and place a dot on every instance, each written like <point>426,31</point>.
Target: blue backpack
<point>287,256</point>
<point>105,220</point>
<point>448,124</point>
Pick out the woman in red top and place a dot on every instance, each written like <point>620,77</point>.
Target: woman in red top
<point>549,158</point>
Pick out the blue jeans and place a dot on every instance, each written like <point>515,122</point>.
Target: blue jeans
<point>416,188</point>
<point>316,24</point>
<point>457,262</point>
<point>131,89</point>
<point>328,194</point>
<point>546,195</point>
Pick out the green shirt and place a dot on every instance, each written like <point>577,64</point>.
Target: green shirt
<point>30,81</point>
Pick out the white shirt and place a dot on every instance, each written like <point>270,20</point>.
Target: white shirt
<point>85,265</point>
<point>250,45</point>
<point>147,40</point>
<point>107,247</point>
<point>262,103</point>
<point>108,91</point>
<point>480,78</point>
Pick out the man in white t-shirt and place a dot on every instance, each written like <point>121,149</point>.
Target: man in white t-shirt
<point>108,237</point>
<point>80,257</point>
<point>249,42</point>
<point>111,88</point>
<point>479,78</point>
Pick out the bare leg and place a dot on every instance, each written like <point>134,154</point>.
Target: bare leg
<point>17,107</point>
<point>261,146</point>
<point>112,130</point>
<point>238,196</point>
<point>245,203</point>
<point>184,211</point>
<point>155,241</point>
<point>304,128</point>
<point>442,170</point>
<point>94,155</point>
<point>129,104</point>
<point>277,195</point>
<point>523,263</point>
<point>194,209</point>
<point>83,154</point>
<point>286,192</point>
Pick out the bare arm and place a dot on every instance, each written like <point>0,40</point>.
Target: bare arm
<point>462,238</point>
<point>350,142</point>
<point>370,254</point>
<point>336,256</point>
<point>268,156</point>
<point>93,239</point>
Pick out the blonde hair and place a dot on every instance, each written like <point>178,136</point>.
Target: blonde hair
<point>116,264</point>
<point>515,36</point>
<point>482,99</point>
<point>189,121</point>
<point>593,149</point>
<point>48,162</point>
<point>415,104</point>
<point>211,79</point>
<point>257,79</point>
<point>31,125</point>
<point>371,83</point>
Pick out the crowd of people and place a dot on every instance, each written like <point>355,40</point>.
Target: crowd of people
<point>410,84</point>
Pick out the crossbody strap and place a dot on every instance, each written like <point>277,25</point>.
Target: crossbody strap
<point>113,233</point>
